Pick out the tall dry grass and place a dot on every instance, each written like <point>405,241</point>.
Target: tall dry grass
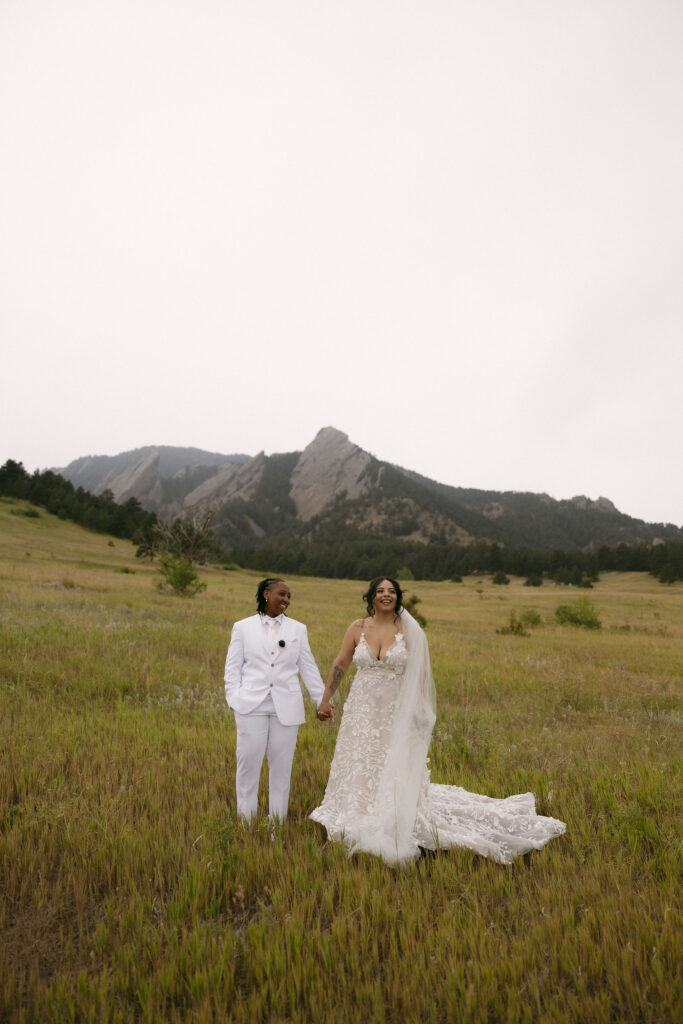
<point>130,892</point>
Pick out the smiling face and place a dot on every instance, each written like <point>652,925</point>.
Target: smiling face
<point>385,597</point>
<point>278,596</point>
<point>383,594</point>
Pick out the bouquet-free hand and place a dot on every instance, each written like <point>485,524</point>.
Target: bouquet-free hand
<point>324,711</point>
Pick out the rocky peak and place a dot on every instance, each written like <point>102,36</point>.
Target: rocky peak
<point>329,466</point>
<point>232,480</point>
<point>139,481</point>
<point>602,504</point>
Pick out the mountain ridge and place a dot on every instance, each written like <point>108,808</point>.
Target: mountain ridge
<point>335,484</point>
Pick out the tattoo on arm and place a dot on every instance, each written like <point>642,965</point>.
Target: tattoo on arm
<point>337,676</point>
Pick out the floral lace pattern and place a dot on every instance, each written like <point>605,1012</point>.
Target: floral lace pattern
<point>447,816</point>
<point>363,738</point>
<point>499,828</point>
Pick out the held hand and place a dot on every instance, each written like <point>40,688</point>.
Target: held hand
<point>324,711</point>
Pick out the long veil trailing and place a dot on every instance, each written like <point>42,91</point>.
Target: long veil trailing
<point>404,776</point>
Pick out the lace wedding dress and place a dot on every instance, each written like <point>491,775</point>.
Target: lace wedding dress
<point>379,798</point>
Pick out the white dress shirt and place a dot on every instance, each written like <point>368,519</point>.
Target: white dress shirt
<point>271,628</point>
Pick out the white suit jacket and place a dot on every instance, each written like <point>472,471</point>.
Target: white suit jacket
<point>253,669</point>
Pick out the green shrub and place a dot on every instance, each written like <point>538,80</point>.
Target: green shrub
<point>515,627</point>
<point>124,568</point>
<point>405,574</point>
<point>534,580</point>
<point>579,613</point>
<point>179,574</point>
<point>500,578</point>
<point>410,604</point>
<point>455,578</point>
<point>30,513</point>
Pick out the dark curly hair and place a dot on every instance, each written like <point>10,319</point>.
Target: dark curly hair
<point>261,591</point>
<point>369,595</point>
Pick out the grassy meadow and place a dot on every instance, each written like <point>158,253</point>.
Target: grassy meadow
<point>130,892</point>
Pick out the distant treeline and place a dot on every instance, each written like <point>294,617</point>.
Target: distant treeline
<point>365,557</point>
<point>347,553</point>
<point>59,496</point>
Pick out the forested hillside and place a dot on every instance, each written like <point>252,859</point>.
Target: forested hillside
<point>340,543</point>
<point>334,490</point>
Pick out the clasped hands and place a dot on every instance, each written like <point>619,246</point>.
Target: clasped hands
<point>325,711</point>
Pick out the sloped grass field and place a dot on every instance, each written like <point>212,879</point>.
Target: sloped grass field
<point>131,893</point>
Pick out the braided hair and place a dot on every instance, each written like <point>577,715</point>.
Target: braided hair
<point>261,592</point>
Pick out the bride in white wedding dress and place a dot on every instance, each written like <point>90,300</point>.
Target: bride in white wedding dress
<point>379,798</point>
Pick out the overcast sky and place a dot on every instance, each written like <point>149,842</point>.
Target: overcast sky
<point>451,228</point>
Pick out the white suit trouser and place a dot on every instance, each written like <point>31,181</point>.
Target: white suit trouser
<point>257,734</point>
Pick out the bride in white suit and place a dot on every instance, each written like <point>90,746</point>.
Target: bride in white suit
<point>267,654</point>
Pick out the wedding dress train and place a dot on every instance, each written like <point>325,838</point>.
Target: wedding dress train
<point>379,798</point>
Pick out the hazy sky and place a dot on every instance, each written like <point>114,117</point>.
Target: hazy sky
<point>451,228</point>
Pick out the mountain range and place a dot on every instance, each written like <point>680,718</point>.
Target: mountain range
<point>333,484</point>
